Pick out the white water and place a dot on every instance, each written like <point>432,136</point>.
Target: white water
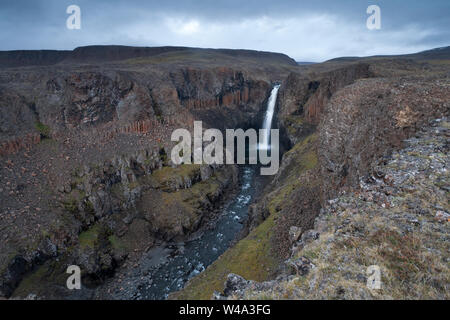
<point>264,144</point>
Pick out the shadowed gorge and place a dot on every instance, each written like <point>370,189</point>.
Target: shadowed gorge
<point>88,180</point>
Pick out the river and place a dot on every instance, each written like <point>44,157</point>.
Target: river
<point>167,268</point>
<point>180,262</point>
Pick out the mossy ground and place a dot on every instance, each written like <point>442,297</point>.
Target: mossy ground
<point>185,172</point>
<point>44,280</point>
<point>43,129</point>
<point>252,257</point>
<point>293,123</point>
<point>180,199</point>
<point>91,237</point>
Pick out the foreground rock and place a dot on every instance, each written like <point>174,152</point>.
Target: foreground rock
<point>397,220</point>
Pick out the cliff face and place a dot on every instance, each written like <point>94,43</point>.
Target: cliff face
<point>366,121</point>
<point>303,97</point>
<point>342,123</point>
<point>71,103</point>
<point>394,222</point>
<point>85,153</point>
<point>76,99</point>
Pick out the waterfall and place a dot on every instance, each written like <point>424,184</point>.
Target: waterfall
<point>267,124</point>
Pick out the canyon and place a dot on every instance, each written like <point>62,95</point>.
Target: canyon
<point>87,177</point>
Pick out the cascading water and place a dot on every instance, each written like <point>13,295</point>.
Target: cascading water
<point>267,124</point>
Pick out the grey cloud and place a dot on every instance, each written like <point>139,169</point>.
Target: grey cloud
<point>306,30</point>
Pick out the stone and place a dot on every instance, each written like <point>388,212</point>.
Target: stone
<point>234,283</point>
<point>442,216</point>
<point>294,233</point>
<point>300,266</point>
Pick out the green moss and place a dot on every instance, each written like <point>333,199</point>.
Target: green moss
<point>118,244</point>
<point>76,196</point>
<point>208,187</point>
<point>167,173</point>
<point>71,205</point>
<point>177,208</point>
<point>172,209</point>
<point>43,129</point>
<point>302,157</point>
<point>295,119</point>
<point>418,155</point>
<point>44,279</point>
<point>252,258</point>
<point>293,122</point>
<point>167,178</point>
<point>115,242</point>
<point>311,255</point>
<point>91,237</point>
<point>133,185</point>
<point>148,161</point>
<point>32,282</point>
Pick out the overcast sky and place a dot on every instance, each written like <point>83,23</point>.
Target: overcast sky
<point>312,30</point>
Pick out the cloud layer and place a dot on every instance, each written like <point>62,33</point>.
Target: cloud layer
<point>306,31</point>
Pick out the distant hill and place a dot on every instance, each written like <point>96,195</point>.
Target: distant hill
<point>433,54</point>
<point>442,53</point>
<point>108,53</point>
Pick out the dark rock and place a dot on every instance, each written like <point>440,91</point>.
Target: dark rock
<point>234,283</point>
<point>300,266</point>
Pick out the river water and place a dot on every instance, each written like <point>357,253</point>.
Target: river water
<point>181,262</point>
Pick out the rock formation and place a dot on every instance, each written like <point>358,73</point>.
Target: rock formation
<point>85,144</point>
<point>345,121</point>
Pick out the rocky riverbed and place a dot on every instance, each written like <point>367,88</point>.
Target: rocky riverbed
<point>166,268</point>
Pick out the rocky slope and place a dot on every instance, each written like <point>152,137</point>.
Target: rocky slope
<point>397,219</point>
<point>342,120</point>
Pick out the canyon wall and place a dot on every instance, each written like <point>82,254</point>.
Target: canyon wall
<point>85,153</point>
<point>342,124</point>
<point>77,100</point>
